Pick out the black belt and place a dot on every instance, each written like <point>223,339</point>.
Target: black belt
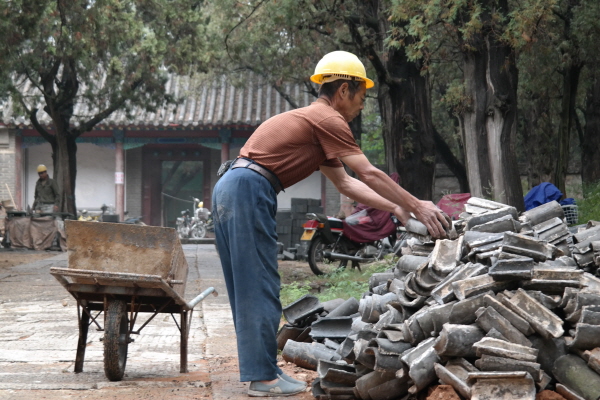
<point>271,177</point>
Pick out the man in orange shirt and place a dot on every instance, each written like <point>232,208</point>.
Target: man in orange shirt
<point>284,150</point>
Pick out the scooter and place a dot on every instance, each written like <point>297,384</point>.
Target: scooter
<point>184,225</point>
<point>194,227</point>
<point>330,249</point>
<point>202,219</point>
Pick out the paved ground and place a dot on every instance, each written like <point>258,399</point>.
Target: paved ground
<point>38,338</point>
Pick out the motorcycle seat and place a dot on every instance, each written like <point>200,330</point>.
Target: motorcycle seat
<point>336,223</point>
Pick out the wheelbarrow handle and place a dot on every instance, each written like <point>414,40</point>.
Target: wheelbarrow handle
<point>201,297</point>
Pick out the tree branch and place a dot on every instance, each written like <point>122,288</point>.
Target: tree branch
<point>88,125</point>
<point>285,95</point>
<point>38,127</point>
<point>310,89</point>
<point>382,73</point>
<point>238,24</point>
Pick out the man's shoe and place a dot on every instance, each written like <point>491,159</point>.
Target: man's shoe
<point>280,388</point>
<point>290,379</point>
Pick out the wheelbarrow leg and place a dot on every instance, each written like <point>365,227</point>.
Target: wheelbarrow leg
<point>84,319</point>
<point>185,330</point>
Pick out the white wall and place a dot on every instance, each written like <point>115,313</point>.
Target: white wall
<point>95,174</point>
<point>309,188</point>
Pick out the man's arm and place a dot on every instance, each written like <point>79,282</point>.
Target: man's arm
<point>358,191</point>
<point>35,196</point>
<point>54,186</point>
<point>380,191</point>
<point>56,194</point>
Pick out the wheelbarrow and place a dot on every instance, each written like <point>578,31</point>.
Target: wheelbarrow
<point>120,271</point>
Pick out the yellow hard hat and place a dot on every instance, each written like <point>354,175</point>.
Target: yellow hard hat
<point>340,65</point>
<point>41,168</point>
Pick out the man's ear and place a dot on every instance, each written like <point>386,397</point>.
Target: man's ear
<point>344,90</point>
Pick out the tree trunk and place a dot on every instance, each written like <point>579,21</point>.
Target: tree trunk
<point>453,163</point>
<point>570,84</point>
<point>539,140</point>
<point>590,146</point>
<point>490,123</point>
<point>407,127</point>
<point>403,97</point>
<point>65,170</point>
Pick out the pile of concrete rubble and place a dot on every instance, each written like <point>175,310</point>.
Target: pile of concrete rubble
<point>508,307</point>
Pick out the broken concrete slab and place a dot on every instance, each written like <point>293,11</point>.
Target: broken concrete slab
<point>420,362</point>
<point>346,308</point>
<point>370,381</point>
<point>503,224</point>
<point>501,348</point>
<point>573,373</point>
<point>543,321</point>
<point>517,268</point>
<point>307,355</point>
<point>458,340</point>
<point>542,213</point>
<point>306,306</point>
<point>502,386</point>
<point>503,364</point>
<point>527,246</point>
<point>444,293</point>
<point>587,337</point>
<point>331,327</point>
<point>489,216</point>
<point>445,256</point>
<point>484,204</point>
<point>488,318</point>
<point>476,285</point>
<point>337,372</point>
<point>455,373</point>
<point>515,320</point>
<point>463,312</point>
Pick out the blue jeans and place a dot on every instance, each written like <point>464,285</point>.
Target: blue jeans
<point>244,208</point>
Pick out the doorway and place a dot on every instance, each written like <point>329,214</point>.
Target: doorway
<point>182,181</point>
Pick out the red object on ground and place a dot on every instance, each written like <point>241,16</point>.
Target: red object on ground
<point>443,392</point>
<point>453,204</point>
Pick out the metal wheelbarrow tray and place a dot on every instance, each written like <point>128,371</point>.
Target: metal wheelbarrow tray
<point>123,270</point>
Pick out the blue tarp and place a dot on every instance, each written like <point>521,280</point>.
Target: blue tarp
<point>545,193</point>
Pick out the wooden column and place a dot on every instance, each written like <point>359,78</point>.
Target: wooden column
<point>18,170</point>
<point>225,135</point>
<point>119,173</point>
<point>224,152</point>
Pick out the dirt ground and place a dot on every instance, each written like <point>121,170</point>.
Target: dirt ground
<point>11,257</point>
<point>222,369</point>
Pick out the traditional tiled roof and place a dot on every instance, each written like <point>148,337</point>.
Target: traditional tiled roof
<point>205,104</point>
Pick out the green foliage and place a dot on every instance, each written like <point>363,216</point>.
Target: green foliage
<point>102,53</point>
<point>342,284</point>
<point>589,206</point>
<point>293,291</point>
<point>371,141</point>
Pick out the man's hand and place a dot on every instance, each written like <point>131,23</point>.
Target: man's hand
<point>402,215</point>
<point>433,218</point>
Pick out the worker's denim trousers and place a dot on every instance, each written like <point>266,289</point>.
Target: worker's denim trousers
<point>244,209</point>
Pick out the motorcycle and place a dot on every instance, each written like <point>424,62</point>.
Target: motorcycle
<point>203,219</point>
<point>194,226</point>
<point>365,236</point>
<point>184,224</point>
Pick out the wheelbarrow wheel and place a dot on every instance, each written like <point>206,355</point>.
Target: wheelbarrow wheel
<point>116,340</point>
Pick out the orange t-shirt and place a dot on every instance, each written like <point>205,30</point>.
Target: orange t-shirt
<point>294,144</point>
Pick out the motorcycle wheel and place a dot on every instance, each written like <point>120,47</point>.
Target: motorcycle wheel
<point>198,231</point>
<point>320,265</point>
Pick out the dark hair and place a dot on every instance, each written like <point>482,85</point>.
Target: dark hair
<point>330,88</point>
